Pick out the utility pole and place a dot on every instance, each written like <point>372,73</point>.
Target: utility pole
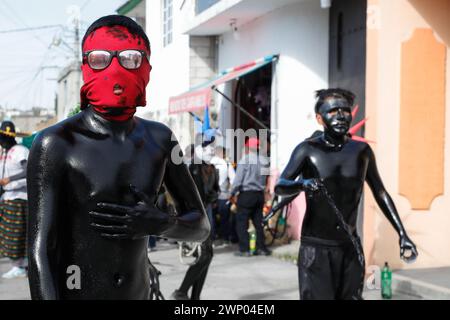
<point>74,13</point>
<point>77,49</point>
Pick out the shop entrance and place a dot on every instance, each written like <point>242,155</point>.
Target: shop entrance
<point>253,93</point>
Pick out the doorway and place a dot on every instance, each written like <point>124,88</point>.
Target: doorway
<point>253,92</point>
<point>347,51</point>
<point>347,61</point>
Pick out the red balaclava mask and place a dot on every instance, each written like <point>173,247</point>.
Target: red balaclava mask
<point>115,92</point>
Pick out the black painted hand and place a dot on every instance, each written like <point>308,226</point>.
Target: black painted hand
<point>128,222</point>
<point>406,245</point>
<point>312,185</point>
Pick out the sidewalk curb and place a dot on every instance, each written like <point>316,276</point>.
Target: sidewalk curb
<point>419,289</point>
<point>288,252</point>
<point>401,284</point>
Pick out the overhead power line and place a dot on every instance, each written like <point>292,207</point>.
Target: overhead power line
<point>17,19</point>
<point>31,28</point>
<point>85,4</point>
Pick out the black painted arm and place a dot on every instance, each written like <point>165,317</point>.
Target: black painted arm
<point>191,223</point>
<point>387,206</point>
<point>44,184</point>
<point>382,197</point>
<point>290,188</point>
<point>287,184</point>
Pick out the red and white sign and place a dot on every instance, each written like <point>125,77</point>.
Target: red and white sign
<point>198,99</point>
<point>190,101</point>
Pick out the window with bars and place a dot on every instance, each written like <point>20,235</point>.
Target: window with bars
<point>167,22</point>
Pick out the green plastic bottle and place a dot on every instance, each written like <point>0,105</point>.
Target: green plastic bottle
<point>386,282</point>
<point>252,241</point>
<point>282,221</point>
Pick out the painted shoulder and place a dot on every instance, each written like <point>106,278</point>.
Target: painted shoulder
<point>156,128</point>
<point>161,133</point>
<point>306,145</point>
<point>361,145</point>
<point>301,151</point>
<point>57,136</point>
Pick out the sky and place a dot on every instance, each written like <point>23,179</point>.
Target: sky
<point>30,61</point>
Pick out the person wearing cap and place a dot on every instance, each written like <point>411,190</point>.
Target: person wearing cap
<point>13,201</point>
<point>249,185</point>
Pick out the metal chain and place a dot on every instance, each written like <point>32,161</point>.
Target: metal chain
<point>355,241</point>
<point>155,292</point>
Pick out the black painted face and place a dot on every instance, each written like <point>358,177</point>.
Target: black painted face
<point>337,116</point>
<point>6,142</point>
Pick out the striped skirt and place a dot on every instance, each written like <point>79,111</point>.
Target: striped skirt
<point>13,228</point>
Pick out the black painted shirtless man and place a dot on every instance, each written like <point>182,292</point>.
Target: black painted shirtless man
<point>333,169</point>
<point>94,178</point>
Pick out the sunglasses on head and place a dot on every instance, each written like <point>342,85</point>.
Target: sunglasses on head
<point>101,59</point>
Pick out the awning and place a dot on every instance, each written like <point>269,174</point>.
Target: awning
<point>199,97</point>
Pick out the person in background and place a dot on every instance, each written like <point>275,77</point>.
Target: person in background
<point>249,185</point>
<point>226,178</point>
<point>206,179</point>
<point>13,202</point>
<point>205,174</point>
<point>152,243</point>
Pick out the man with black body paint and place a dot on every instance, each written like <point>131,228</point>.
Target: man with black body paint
<point>328,262</point>
<point>94,178</point>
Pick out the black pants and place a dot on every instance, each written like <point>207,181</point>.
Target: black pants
<point>196,275</point>
<point>250,205</point>
<point>223,208</point>
<point>329,270</point>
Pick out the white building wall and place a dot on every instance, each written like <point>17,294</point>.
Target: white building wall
<point>299,33</point>
<point>170,73</point>
<point>68,93</point>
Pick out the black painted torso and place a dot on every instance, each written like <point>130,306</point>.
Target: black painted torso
<point>77,164</point>
<point>93,175</point>
<point>343,171</point>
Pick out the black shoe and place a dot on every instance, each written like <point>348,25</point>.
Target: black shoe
<point>263,252</point>
<point>242,254</point>
<point>217,243</point>
<point>179,295</point>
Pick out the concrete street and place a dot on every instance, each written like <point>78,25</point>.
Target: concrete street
<point>229,278</point>
<point>233,278</point>
<point>14,289</point>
